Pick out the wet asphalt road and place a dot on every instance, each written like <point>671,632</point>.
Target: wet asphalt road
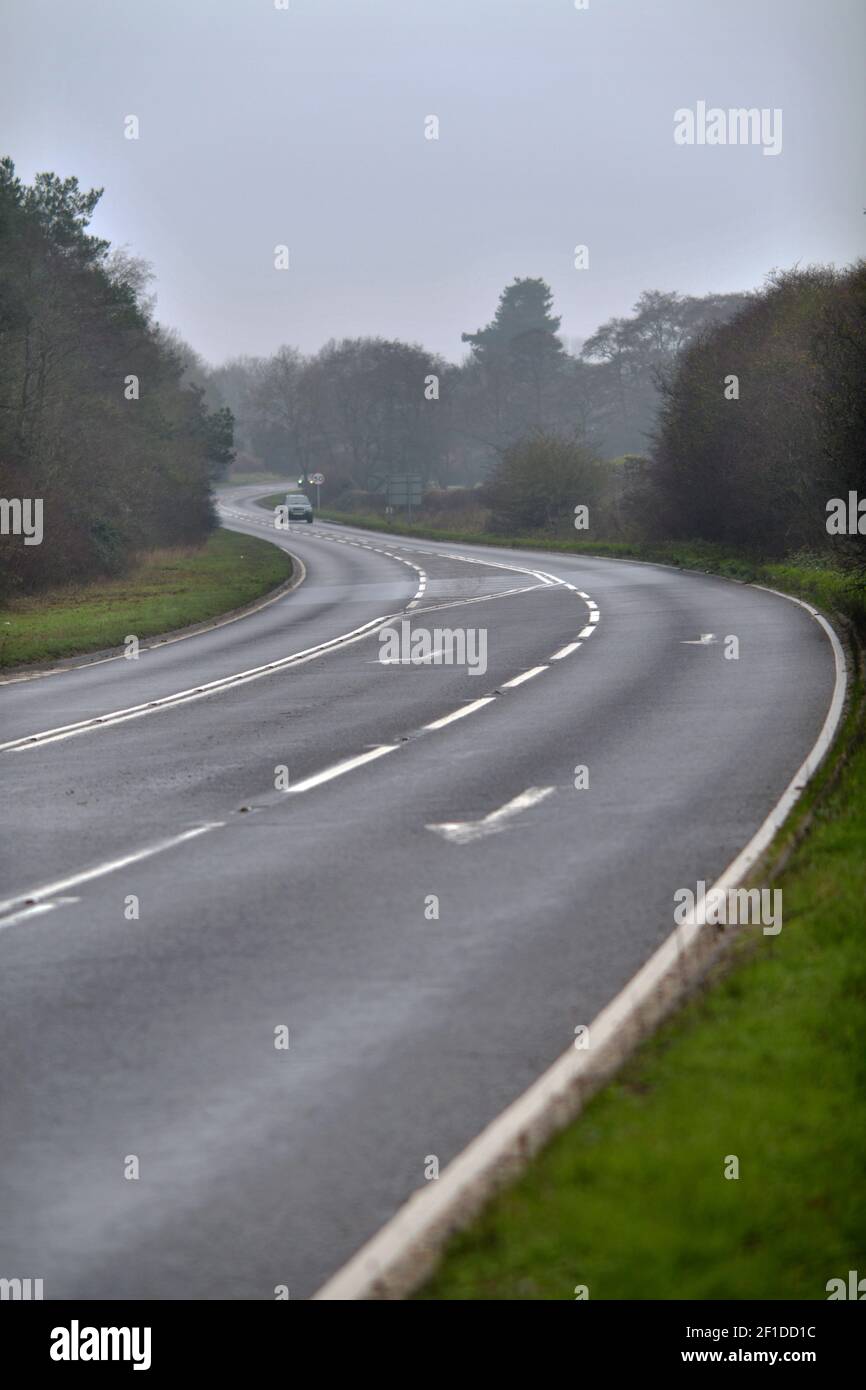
<point>310,910</point>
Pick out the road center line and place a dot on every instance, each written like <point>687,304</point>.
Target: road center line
<point>565,651</point>
<point>524,676</point>
<point>338,769</point>
<point>59,886</point>
<point>461,713</point>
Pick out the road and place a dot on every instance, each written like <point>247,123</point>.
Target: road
<point>150,1042</point>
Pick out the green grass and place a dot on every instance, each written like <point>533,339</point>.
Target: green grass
<point>767,1064</point>
<point>166,589</point>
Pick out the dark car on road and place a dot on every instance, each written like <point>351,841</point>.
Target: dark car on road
<point>299,507</point>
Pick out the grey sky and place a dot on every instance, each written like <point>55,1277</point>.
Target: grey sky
<point>306,127</point>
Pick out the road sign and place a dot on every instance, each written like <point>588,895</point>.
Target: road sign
<point>400,489</point>
<point>404,489</point>
<point>317,479</point>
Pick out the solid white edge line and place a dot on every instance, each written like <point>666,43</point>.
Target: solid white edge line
<point>420,1228</point>
<point>181,697</point>
<point>524,676</point>
<point>50,890</point>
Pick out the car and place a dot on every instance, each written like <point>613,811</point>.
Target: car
<point>298,507</point>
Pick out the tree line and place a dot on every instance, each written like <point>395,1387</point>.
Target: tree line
<point>733,418</point>
<point>364,408</point>
<point>763,422</point>
<point>96,421</point>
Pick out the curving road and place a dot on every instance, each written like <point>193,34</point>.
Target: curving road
<point>261,909</point>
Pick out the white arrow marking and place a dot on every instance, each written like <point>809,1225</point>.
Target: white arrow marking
<point>461,832</point>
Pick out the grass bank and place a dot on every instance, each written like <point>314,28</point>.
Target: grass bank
<point>166,589</point>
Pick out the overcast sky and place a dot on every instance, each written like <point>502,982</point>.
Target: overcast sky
<point>306,127</point>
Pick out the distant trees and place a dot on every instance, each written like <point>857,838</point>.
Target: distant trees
<point>755,404</point>
<point>764,419</point>
<point>631,356</point>
<point>94,417</point>
<point>517,377</point>
<point>360,408</point>
<point>537,484</point>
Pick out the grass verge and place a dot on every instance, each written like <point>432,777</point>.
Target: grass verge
<point>166,589</point>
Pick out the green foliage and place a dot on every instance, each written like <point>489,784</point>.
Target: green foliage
<point>537,483</point>
<point>759,470</point>
<point>115,474</point>
<point>162,590</point>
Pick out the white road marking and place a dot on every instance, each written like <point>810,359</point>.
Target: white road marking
<point>120,716</point>
<point>594,616</point>
<point>406,660</point>
<point>524,676</point>
<point>565,651</point>
<point>460,713</point>
<point>463,832</point>
<point>60,886</point>
<point>37,910</point>
<point>339,768</point>
<point>586,632</point>
<point>706,639</point>
<point>482,598</point>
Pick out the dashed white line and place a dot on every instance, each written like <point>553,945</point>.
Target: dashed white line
<point>52,890</point>
<point>461,713</point>
<point>524,676</point>
<point>565,651</point>
<point>339,768</point>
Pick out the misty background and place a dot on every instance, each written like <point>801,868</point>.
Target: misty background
<point>305,126</point>
<point>552,304</point>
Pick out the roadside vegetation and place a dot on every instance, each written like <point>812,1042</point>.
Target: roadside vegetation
<point>99,426</point>
<point>164,590</point>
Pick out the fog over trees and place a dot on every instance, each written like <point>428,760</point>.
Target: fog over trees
<point>730,418</point>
